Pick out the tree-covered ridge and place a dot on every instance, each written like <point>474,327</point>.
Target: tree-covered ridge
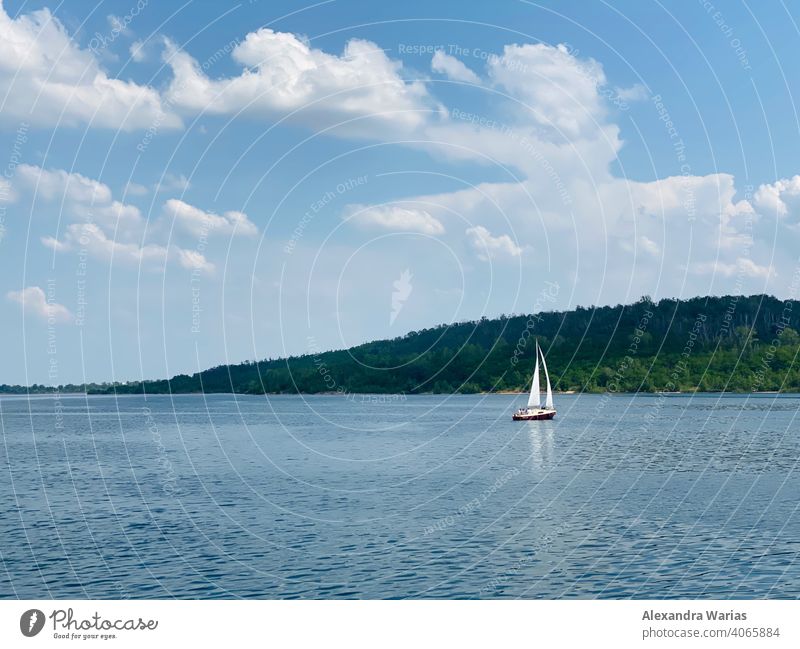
<point>731,343</point>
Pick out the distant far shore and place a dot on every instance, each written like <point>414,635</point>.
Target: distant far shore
<point>383,395</point>
<point>718,345</point>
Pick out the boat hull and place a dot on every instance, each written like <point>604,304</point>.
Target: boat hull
<point>533,415</point>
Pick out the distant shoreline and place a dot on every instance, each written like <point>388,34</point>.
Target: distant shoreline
<point>387,395</point>
<point>689,344</point>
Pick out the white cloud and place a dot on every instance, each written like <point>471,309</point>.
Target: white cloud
<point>137,51</point>
<point>452,68</point>
<point>135,189</point>
<point>117,25</point>
<point>649,246</point>
<point>284,73</point>
<point>47,80</point>
<point>58,184</point>
<point>151,257</point>
<point>7,193</point>
<point>636,92</point>
<point>114,231</point>
<point>779,198</point>
<point>610,235</point>
<point>489,247</point>
<point>743,266</point>
<point>81,198</point>
<point>395,217</point>
<point>173,183</point>
<point>194,260</point>
<point>34,302</point>
<point>200,223</point>
<point>559,140</point>
<point>54,244</point>
<point>559,90</point>
<point>90,237</point>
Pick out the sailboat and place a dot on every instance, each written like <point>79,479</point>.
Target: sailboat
<point>534,410</point>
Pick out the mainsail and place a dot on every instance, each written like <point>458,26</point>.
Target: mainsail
<point>535,400</point>
<point>549,399</point>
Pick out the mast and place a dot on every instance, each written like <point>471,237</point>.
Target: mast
<point>535,399</point>
<point>549,399</point>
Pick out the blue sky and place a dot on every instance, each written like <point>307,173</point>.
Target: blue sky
<point>192,184</point>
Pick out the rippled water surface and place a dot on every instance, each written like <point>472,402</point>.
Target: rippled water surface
<point>446,497</point>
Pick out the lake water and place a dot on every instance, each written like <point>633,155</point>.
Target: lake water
<point>325,497</point>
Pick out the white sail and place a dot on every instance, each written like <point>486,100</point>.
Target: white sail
<point>535,400</point>
<point>549,399</point>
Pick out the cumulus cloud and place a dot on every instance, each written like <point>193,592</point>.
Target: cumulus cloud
<point>610,235</point>
<point>47,80</point>
<point>199,223</point>
<point>114,231</point>
<point>559,141</point>
<point>193,260</point>
<point>283,73</point>
<point>395,218</point>
<point>151,256</point>
<point>781,198</point>
<point>559,91</point>
<point>91,238</point>
<point>58,184</point>
<point>489,247</point>
<point>452,68</point>
<point>81,198</point>
<point>34,302</point>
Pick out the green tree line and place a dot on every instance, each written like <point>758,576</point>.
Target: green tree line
<point>730,343</point>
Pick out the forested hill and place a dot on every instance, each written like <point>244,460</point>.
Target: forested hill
<point>733,343</point>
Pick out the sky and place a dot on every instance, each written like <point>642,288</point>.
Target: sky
<point>191,184</point>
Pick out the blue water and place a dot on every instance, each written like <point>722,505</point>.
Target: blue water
<point>446,497</point>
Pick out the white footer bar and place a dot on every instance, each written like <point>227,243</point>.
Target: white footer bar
<point>389,624</point>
